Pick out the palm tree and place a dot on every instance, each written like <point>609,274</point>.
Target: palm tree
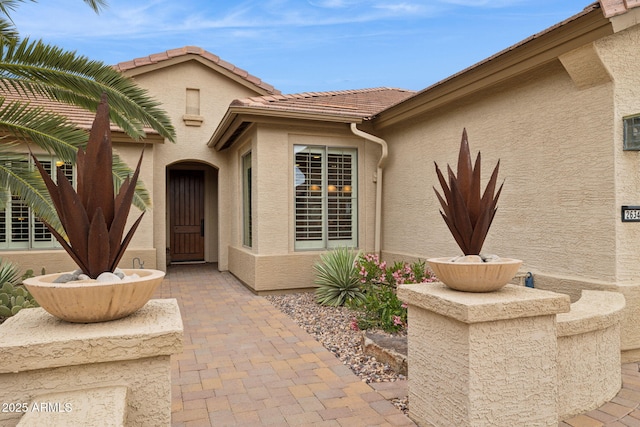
<point>31,71</point>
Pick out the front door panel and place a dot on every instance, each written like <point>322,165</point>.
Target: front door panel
<point>186,194</point>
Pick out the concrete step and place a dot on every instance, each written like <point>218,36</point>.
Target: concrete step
<point>100,406</point>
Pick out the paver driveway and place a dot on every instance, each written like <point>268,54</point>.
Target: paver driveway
<point>245,363</point>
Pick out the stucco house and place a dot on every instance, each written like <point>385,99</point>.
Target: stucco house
<point>262,183</point>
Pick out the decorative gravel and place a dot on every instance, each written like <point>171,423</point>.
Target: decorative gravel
<point>332,327</point>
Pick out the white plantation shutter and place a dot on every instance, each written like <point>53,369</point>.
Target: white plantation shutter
<point>19,228</point>
<point>325,197</point>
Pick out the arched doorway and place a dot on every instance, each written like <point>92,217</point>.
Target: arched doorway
<point>192,213</point>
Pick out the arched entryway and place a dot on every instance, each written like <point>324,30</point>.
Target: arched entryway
<point>192,213</point>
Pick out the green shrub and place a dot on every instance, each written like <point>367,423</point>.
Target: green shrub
<point>381,307</point>
<point>13,297</point>
<point>337,278</point>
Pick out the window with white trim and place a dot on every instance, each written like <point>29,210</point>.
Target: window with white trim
<point>326,197</point>
<point>247,239</point>
<point>19,228</point>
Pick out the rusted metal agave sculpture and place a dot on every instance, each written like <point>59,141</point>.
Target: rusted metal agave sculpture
<point>468,214</point>
<point>93,219</point>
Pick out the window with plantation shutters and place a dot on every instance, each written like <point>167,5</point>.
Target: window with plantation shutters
<point>325,197</point>
<point>19,228</point>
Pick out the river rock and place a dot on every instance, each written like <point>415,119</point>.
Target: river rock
<point>64,278</point>
<point>475,259</point>
<point>107,277</point>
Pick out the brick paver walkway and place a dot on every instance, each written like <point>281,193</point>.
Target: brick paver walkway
<point>245,363</point>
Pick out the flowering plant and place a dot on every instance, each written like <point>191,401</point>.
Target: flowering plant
<point>381,306</point>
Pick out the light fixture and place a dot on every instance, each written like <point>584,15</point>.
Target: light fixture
<point>331,188</point>
<point>314,187</point>
<point>346,189</point>
<point>59,163</point>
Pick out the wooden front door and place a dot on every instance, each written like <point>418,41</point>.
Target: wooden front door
<point>186,198</point>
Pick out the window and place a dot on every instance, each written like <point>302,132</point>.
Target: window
<point>325,197</point>
<point>631,133</point>
<point>193,102</point>
<point>19,228</point>
<point>246,200</point>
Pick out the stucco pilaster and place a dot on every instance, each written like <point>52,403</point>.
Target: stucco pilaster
<point>485,359</point>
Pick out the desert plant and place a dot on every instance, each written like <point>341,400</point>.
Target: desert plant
<point>93,220</point>
<point>466,213</point>
<point>8,272</point>
<point>13,297</point>
<point>337,277</point>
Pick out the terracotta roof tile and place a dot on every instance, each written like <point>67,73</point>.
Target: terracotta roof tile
<point>362,103</point>
<point>76,115</point>
<point>195,50</point>
<point>617,7</point>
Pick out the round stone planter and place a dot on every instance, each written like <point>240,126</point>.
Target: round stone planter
<point>88,301</point>
<point>474,277</point>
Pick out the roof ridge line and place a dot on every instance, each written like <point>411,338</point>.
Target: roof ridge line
<point>156,58</point>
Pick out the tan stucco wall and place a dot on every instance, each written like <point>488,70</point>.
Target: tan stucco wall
<point>557,211</point>
<point>482,359</point>
<point>620,55</point>
<point>588,361</point>
<point>53,356</point>
<point>272,263</point>
<point>169,86</point>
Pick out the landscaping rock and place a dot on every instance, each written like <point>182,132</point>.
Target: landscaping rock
<point>386,348</point>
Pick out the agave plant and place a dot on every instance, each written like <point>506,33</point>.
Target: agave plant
<point>337,278</point>
<point>92,218</point>
<point>468,214</point>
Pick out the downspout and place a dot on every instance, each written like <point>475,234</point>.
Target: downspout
<point>377,178</point>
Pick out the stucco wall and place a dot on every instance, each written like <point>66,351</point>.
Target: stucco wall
<point>620,55</point>
<point>557,211</point>
<point>169,85</point>
<point>274,262</point>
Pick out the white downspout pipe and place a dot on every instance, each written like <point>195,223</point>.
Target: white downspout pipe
<point>377,178</point>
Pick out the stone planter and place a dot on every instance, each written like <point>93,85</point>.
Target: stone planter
<point>88,301</point>
<point>475,277</point>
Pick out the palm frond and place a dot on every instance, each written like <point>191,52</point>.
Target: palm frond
<point>96,5</point>
<point>34,67</point>
<point>50,131</point>
<point>8,30</point>
<point>27,184</point>
<point>141,198</point>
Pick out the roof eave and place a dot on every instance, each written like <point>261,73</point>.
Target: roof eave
<point>236,116</point>
<point>544,47</point>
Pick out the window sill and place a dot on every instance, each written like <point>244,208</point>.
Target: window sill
<point>192,120</point>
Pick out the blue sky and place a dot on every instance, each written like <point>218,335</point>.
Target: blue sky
<point>303,45</point>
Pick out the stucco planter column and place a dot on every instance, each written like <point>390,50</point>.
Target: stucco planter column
<point>482,359</point>
<point>47,361</point>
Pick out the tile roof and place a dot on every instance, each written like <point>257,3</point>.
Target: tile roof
<point>158,58</point>
<point>76,115</point>
<point>617,7</point>
<point>360,103</point>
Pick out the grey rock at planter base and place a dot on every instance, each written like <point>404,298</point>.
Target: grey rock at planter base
<point>65,278</point>
<point>106,277</point>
